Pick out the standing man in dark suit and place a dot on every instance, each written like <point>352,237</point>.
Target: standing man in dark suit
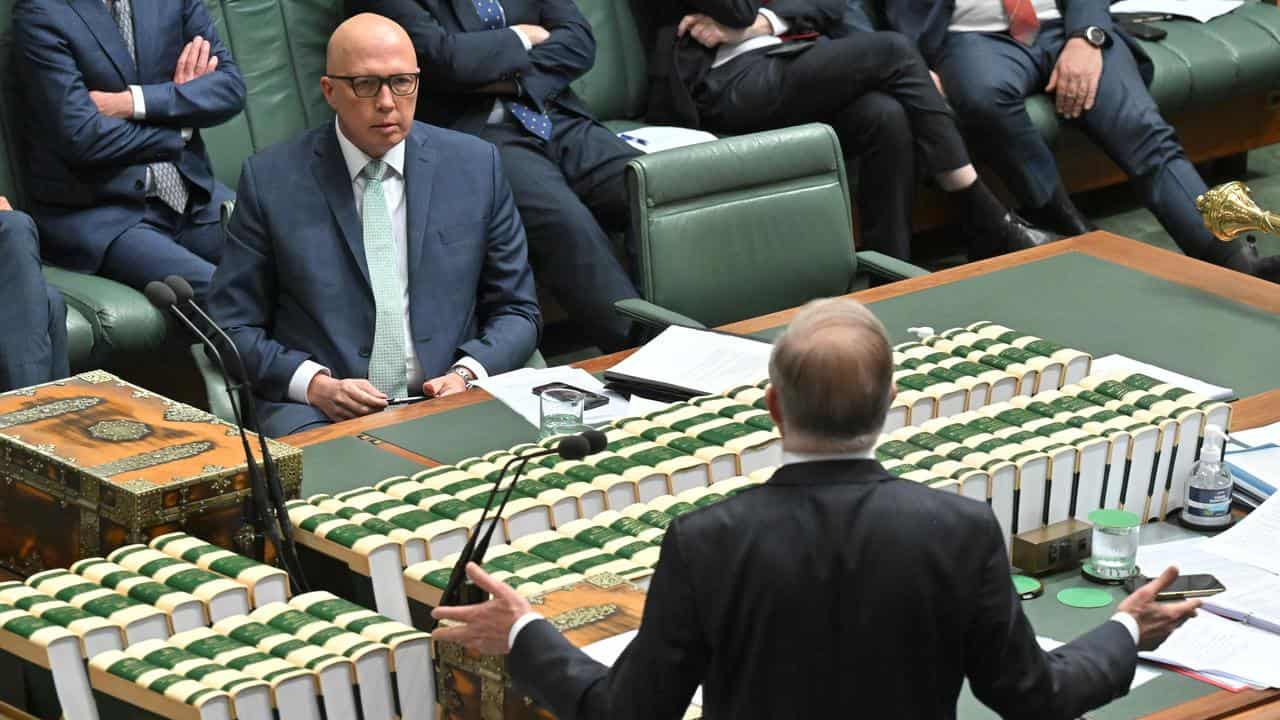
<point>736,66</point>
<point>33,316</point>
<point>117,92</point>
<point>501,69</point>
<point>992,54</point>
<point>375,258</point>
<point>834,585</point>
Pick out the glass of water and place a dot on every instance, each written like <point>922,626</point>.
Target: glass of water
<point>1115,543</point>
<point>561,412</point>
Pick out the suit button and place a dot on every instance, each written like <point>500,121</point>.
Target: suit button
<point>139,185</point>
<point>365,352</point>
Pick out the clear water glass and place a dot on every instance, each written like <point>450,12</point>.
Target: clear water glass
<point>561,412</point>
<point>1115,550</point>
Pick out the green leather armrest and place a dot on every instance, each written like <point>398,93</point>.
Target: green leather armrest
<point>889,268</point>
<point>646,312</point>
<point>121,317</point>
<point>215,389</point>
<point>79,341</point>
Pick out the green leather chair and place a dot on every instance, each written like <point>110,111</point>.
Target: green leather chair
<point>767,226</point>
<point>104,318</point>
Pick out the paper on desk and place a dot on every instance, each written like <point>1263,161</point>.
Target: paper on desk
<point>653,138</point>
<point>1253,540</point>
<point>608,650</point>
<point>641,406</point>
<point>1141,676</point>
<point>698,360</point>
<point>1209,643</point>
<point>1199,10</point>
<point>1257,437</point>
<point>515,390</point>
<point>1192,556</point>
<point>1256,470</point>
<point>1119,364</point>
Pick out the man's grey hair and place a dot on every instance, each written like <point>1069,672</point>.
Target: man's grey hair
<point>832,372</point>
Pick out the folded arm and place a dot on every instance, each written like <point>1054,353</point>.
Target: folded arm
<point>506,303</point>
<point>59,102</point>
<point>208,100</point>
<point>242,297</point>
<point>565,56</point>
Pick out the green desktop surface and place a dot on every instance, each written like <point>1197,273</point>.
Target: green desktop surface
<point>459,434</point>
<point>348,463</point>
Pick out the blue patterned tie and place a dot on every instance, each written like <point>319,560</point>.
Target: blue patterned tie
<point>493,17</point>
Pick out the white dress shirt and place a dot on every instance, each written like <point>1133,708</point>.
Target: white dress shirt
<point>393,190</point>
<point>989,15</point>
<point>729,51</point>
<point>789,458</point>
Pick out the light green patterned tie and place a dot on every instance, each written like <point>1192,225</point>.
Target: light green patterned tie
<point>386,361</point>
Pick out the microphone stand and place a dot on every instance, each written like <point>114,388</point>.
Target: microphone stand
<point>275,489</point>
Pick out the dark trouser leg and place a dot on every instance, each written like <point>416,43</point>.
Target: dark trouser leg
<point>157,247</point>
<point>874,129</point>
<point>988,77</point>
<point>570,252</point>
<point>33,332</point>
<point>1126,123</point>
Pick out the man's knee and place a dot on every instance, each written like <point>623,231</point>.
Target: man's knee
<point>880,119</point>
<point>18,234</point>
<point>981,100</point>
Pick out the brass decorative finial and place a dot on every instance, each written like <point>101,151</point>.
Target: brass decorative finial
<point>1229,211</point>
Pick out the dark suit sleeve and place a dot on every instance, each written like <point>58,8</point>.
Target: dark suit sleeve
<point>243,291</point>
<point>565,56</point>
<point>1010,673</point>
<point>1080,14</point>
<point>506,304</point>
<point>803,15</point>
<point>59,100</point>
<point>208,100</point>
<point>452,61</point>
<point>655,677</point>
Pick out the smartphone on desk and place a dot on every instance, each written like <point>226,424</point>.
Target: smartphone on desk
<point>1186,586</point>
<point>593,400</point>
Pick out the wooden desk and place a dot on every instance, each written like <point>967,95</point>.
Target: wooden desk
<point>1249,412</point>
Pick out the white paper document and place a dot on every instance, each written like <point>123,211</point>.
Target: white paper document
<point>515,390</point>
<point>1254,540</point>
<point>608,650</point>
<point>1198,10</point>
<point>1143,675</point>
<point>1257,437</point>
<point>1191,556</point>
<point>653,138</point>
<point>1224,647</point>
<point>1119,364</point>
<point>1256,470</point>
<point>698,361</point>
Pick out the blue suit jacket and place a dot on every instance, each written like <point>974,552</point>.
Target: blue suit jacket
<point>925,22</point>
<point>293,283</point>
<point>86,171</point>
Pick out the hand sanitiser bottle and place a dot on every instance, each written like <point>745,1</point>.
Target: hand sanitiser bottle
<point>1208,500</point>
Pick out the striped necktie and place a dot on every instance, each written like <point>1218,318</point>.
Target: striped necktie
<point>386,360</point>
<point>1024,25</point>
<point>164,180</point>
<point>493,17</point>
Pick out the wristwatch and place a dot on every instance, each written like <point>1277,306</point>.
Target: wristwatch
<point>1093,35</point>
<point>463,372</point>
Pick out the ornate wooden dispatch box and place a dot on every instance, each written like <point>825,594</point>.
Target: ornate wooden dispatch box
<point>91,463</point>
<point>477,687</point>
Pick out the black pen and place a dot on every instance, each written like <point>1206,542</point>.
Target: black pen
<point>406,400</point>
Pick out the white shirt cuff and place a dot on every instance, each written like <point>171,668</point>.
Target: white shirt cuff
<point>301,380</point>
<point>139,102</point>
<point>474,366</point>
<point>523,40</point>
<point>1129,624</point>
<point>780,26</point>
<point>519,624</point>
<point>187,133</point>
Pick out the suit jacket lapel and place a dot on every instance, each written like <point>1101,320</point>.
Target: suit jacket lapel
<point>330,171</point>
<point>419,174</point>
<point>95,14</point>
<point>145,38</point>
<point>467,15</point>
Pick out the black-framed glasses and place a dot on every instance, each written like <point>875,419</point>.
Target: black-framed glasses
<point>367,86</point>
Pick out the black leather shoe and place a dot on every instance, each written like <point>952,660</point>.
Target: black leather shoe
<point>1249,262</point>
<point>1060,214</point>
<point>1013,233</point>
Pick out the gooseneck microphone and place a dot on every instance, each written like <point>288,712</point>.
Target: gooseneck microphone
<point>257,514</point>
<point>275,489</point>
<point>572,447</point>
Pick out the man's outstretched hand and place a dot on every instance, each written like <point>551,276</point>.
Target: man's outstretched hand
<point>485,627</point>
<point>1157,620</point>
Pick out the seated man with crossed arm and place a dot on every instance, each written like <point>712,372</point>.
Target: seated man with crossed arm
<point>375,258</point>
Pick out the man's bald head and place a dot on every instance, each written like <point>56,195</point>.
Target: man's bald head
<point>373,49</point>
<point>832,377</point>
<point>361,36</point>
